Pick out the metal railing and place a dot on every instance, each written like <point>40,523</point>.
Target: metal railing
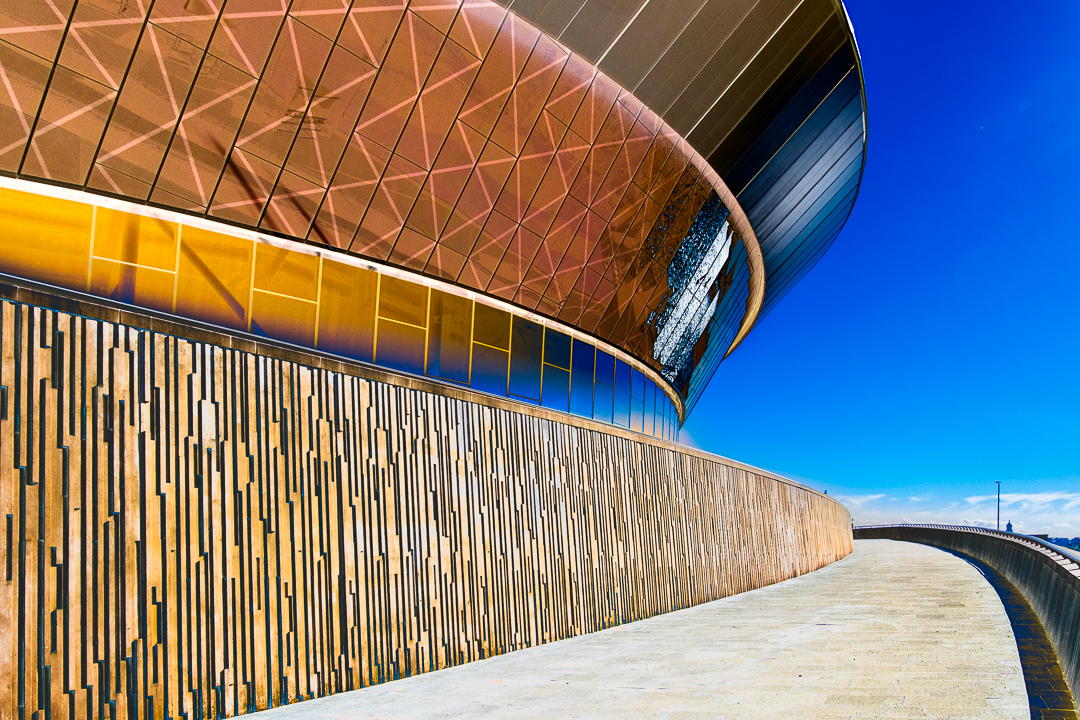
<point>1064,557</point>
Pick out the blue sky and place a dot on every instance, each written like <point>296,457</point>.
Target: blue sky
<point>935,349</point>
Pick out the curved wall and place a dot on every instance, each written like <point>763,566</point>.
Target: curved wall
<point>769,91</point>
<point>452,139</point>
<point>208,523</point>
<point>1049,580</point>
<point>214,273</point>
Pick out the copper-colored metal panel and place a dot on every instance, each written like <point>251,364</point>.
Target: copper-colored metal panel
<point>476,26</point>
<point>323,16</point>
<point>210,122</point>
<point>288,86</point>
<point>477,199</point>
<point>595,107</point>
<point>391,204</point>
<point>445,263</point>
<point>605,147</point>
<point>68,128</point>
<point>488,251</point>
<point>150,103</point>
<point>502,67</point>
<point>370,28</point>
<point>438,105</point>
<point>98,47</point>
<point>353,186</point>
<point>412,250</point>
<point>400,81</point>
<point>610,195</point>
<point>529,95</point>
<point>245,34</point>
<point>330,118</point>
<point>292,208</point>
<point>26,76</point>
<point>244,188</point>
<point>530,168</point>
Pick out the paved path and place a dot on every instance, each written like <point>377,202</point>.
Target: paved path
<point>894,630</point>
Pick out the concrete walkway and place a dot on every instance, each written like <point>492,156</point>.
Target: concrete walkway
<point>895,630</point>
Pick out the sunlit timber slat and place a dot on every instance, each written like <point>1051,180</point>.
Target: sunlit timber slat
<point>198,530</point>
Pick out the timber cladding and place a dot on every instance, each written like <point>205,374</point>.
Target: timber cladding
<point>203,531</point>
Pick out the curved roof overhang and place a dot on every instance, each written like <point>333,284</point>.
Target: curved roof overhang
<point>457,140</point>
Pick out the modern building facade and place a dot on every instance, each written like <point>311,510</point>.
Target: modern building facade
<point>348,340</point>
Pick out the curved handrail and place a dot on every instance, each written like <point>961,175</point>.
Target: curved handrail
<point>1045,574</point>
<point>1068,561</point>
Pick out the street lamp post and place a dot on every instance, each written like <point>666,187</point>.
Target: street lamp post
<point>999,504</point>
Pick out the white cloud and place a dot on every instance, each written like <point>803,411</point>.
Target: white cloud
<point>859,500</point>
<point>916,498</point>
<point>1029,500</point>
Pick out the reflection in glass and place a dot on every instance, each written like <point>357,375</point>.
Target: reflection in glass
<point>581,380</point>
<point>650,408</point>
<point>622,394</point>
<point>556,388</point>
<point>400,346</point>
<point>401,300</point>
<point>526,356</point>
<point>602,389</point>
<point>450,327</point>
<point>492,327</point>
<point>662,417</point>
<point>347,311</point>
<point>214,279</point>
<point>557,349</point>
<point>637,400</point>
<point>489,367</point>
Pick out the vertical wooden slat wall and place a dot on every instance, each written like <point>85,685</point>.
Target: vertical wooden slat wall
<point>198,531</point>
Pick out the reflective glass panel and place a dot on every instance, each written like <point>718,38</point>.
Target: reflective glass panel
<point>450,327</point>
<point>403,301</point>
<point>489,367</point>
<point>492,327</point>
<point>637,401</point>
<point>622,394</point>
<point>400,346</point>
<point>135,239</point>
<point>662,417</point>
<point>557,349</point>
<point>347,310</point>
<point>286,272</point>
<point>650,407</point>
<point>214,280</point>
<point>581,380</point>
<point>526,352</point>
<point>44,238</point>
<point>132,284</point>
<point>602,399</point>
<point>283,318</point>
<point>602,388</point>
<point>556,388</point>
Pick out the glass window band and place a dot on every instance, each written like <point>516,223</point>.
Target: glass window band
<point>283,290</point>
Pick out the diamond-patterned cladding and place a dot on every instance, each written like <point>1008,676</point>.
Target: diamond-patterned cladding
<point>445,136</point>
